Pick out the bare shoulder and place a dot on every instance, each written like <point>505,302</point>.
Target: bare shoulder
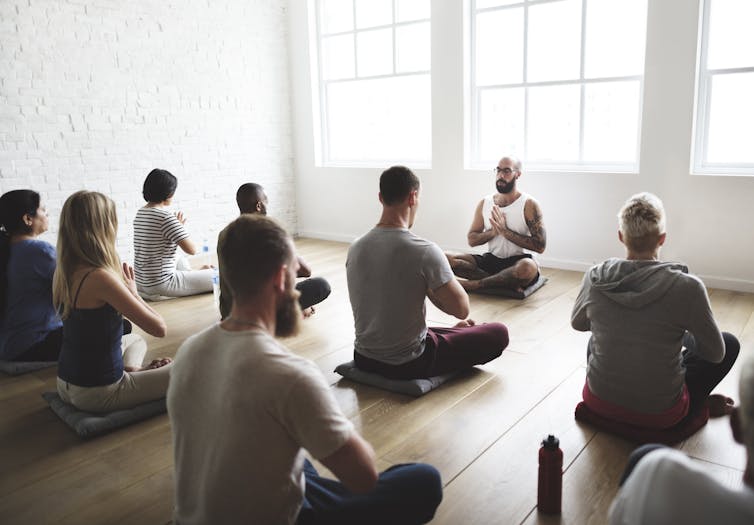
<point>532,208</point>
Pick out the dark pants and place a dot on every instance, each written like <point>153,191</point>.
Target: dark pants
<point>635,457</point>
<point>702,376</point>
<point>313,291</point>
<point>405,495</point>
<point>446,350</point>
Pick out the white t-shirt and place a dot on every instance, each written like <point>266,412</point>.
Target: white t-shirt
<point>157,233</point>
<point>667,487</point>
<point>242,409</point>
<point>389,271</point>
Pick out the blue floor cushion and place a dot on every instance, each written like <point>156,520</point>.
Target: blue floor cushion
<point>410,387</point>
<point>514,294</point>
<point>88,424</point>
<point>15,368</point>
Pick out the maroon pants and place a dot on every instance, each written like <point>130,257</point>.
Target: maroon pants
<point>446,350</point>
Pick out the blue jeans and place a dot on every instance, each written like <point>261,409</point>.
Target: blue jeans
<point>404,495</point>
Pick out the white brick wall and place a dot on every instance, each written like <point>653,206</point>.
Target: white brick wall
<point>96,93</point>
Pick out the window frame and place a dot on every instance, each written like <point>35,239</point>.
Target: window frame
<point>473,97</point>
<point>321,118</point>
<point>700,134</point>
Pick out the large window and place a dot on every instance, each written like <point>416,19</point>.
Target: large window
<point>725,102</point>
<point>556,82</point>
<point>374,81</point>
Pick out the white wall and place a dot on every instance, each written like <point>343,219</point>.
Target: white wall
<point>96,93</point>
<point>709,218</point>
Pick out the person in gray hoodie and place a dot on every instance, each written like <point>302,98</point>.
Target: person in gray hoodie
<point>656,352</point>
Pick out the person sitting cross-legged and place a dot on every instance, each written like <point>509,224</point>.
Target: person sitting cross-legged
<point>655,353</point>
<point>663,486</point>
<point>510,223</point>
<point>243,410</point>
<point>390,273</point>
<point>251,198</point>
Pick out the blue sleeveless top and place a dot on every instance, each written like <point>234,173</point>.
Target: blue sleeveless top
<point>91,353</point>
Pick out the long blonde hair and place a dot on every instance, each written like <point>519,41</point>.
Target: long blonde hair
<point>86,237</point>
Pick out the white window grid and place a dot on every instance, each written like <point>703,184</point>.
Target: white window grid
<point>323,83</point>
<point>699,163</point>
<point>476,92</point>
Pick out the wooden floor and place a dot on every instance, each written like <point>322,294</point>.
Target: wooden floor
<point>481,431</point>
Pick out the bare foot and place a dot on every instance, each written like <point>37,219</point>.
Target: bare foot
<point>308,312</point>
<point>469,285</point>
<point>158,363</point>
<point>719,405</point>
<point>465,323</point>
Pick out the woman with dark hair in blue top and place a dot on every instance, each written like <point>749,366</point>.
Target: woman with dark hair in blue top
<point>30,328</point>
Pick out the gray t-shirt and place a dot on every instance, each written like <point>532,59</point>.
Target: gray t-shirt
<point>389,272</point>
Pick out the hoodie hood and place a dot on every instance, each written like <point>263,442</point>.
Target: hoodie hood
<point>635,284</point>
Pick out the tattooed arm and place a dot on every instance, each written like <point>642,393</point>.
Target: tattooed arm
<point>477,234</point>
<point>537,239</point>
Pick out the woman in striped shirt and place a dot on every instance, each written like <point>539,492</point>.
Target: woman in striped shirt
<point>157,234</point>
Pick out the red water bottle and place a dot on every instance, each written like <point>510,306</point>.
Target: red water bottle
<point>550,486</point>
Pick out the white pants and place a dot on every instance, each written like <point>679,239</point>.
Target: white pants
<point>181,284</point>
<point>133,388</point>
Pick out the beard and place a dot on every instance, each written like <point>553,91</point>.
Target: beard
<point>288,314</point>
<point>505,187</point>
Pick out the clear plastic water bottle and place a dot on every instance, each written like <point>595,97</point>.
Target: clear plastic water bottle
<point>216,287</point>
<point>205,258</point>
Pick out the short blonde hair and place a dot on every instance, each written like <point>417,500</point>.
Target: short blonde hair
<point>641,220</point>
<point>746,408</point>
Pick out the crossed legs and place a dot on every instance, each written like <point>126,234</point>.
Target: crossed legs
<point>515,273</point>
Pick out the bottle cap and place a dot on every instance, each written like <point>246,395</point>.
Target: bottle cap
<point>551,442</point>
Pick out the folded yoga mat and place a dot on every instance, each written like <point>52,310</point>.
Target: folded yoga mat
<point>514,294</point>
<point>410,387</point>
<point>667,436</point>
<point>87,424</point>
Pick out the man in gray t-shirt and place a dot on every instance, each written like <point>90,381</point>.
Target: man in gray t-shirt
<point>390,273</point>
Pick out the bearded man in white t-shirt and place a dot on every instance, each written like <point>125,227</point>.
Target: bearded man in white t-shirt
<point>510,222</point>
<point>662,485</point>
<point>244,410</point>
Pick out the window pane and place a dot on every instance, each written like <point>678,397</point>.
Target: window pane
<point>336,16</point>
<point>407,10</point>
<point>371,13</point>
<point>554,41</point>
<point>499,47</point>
<point>731,118</point>
<point>615,38</point>
<point>501,123</point>
<point>553,133</point>
<point>481,4</point>
<point>412,48</point>
<point>375,52</point>
<point>611,121</point>
<point>337,57</point>
<point>731,39</point>
<point>385,119</point>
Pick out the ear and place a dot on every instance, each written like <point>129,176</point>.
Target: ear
<point>258,207</point>
<point>661,241</point>
<point>379,196</point>
<point>278,282</point>
<point>620,237</point>
<point>735,426</point>
<point>28,219</point>
<point>412,198</point>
